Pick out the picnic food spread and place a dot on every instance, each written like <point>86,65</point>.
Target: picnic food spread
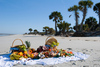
<point>19,52</point>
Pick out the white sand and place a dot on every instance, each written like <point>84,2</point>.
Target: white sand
<point>86,45</point>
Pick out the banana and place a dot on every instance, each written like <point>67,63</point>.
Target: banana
<point>11,57</point>
<point>14,57</point>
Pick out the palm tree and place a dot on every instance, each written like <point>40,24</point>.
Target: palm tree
<point>57,17</point>
<point>67,27</point>
<point>86,27</point>
<point>30,29</point>
<point>85,4</point>
<point>75,8</point>
<point>96,8</point>
<point>91,22</point>
<point>51,31</point>
<point>60,27</point>
<point>43,30</point>
<point>46,28</point>
<point>71,29</point>
<point>35,31</point>
<point>63,26</point>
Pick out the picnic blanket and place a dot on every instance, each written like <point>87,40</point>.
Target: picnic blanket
<point>6,62</point>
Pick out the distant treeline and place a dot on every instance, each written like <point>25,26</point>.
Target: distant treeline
<point>87,24</point>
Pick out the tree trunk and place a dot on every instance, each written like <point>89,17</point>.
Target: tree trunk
<point>76,18</point>
<point>55,27</point>
<point>63,32</point>
<point>45,32</point>
<point>84,15</point>
<point>99,18</point>
<point>60,31</point>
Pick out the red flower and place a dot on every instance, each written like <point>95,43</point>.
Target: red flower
<point>71,52</point>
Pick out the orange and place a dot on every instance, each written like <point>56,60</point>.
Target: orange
<point>25,52</point>
<point>31,56</point>
<point>20,53</point>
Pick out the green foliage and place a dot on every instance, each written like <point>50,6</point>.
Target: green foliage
<point>48,30</point>
<point>98,29</point>
<point>63,26</point>
<point>85,27</point>
<point>96,8</point>
<point>35,30</point>
<point>91,22</point>
<point>51,31</point>
<point>30,29</point>
<point>57,17</point>
<point>85,4</point>
<point>75,8</point>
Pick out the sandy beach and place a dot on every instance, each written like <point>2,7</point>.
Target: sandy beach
<point>85,45</point>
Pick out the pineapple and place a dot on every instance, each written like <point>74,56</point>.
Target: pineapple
<point>28,44</point>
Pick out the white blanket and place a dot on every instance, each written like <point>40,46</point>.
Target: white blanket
<point>6,62</point>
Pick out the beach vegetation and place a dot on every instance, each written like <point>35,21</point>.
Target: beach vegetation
<point>30,29</point>
<point>51,31</point>
<point>75,8</point>
<point>56,17</point>
<point>85,4</point>
<point>63,27</point>
<point>48,30</point>
<point>87,25</point>
<point>92,23</point>
<point>96,8</point>
<point>35,31</point>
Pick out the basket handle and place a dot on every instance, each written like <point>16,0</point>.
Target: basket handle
<point>48,38</point>
<point>15,40</point>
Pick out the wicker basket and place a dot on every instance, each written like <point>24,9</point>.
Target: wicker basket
<point>14,48</point>
<point>49,41</point>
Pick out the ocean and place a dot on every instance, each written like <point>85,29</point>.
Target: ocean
<point>5,34</point>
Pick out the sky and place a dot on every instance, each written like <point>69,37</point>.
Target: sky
<point>17,16</point>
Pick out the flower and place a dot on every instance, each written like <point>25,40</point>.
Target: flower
<point>30,51</point>
<point>71,52</point>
